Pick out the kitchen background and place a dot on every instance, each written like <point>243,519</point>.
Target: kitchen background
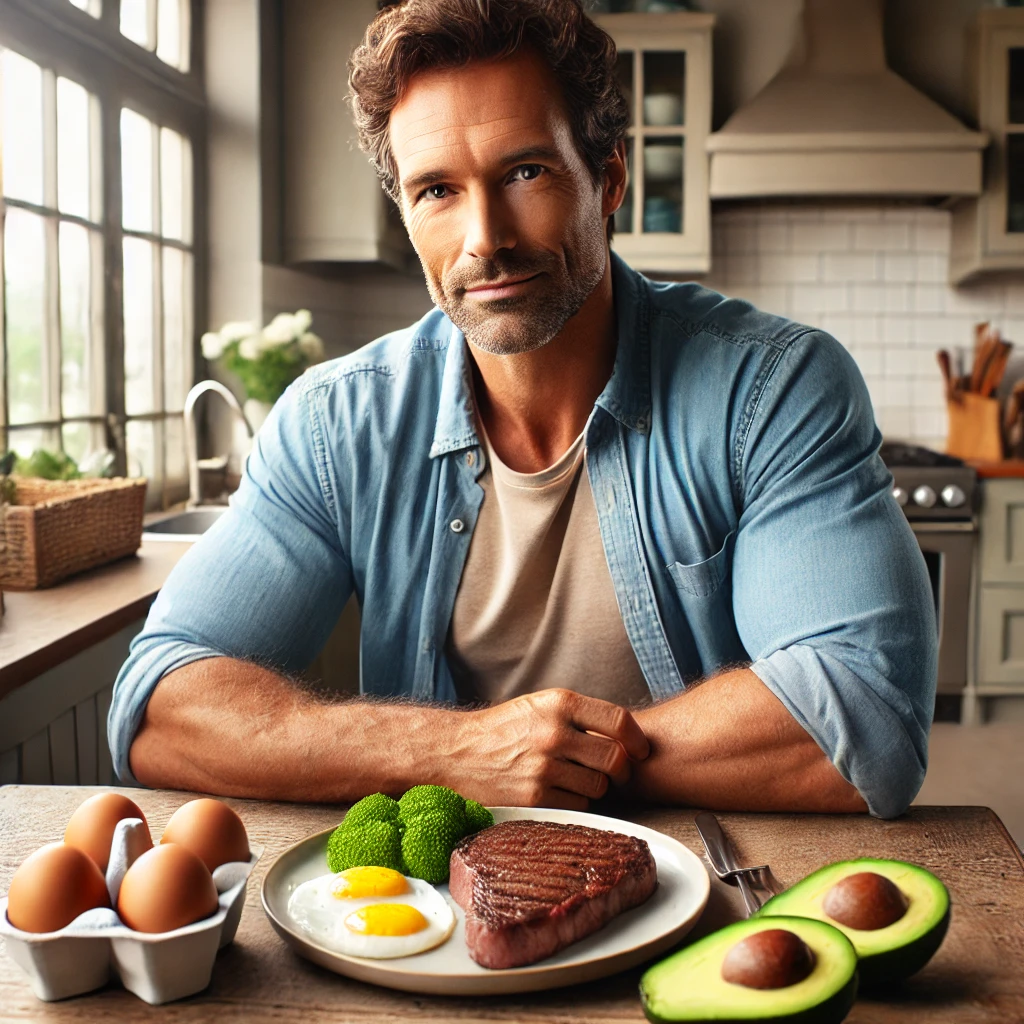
<point>216,148</point>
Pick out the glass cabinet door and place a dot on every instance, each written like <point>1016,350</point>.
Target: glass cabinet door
<point>1015,140</point>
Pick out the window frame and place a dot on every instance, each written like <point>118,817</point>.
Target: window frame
<point>119,73</point>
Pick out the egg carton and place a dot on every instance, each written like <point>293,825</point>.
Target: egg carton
<point>157,967</point>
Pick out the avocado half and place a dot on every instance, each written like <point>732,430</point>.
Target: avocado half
<point>688,986</point>
<point>890,954</point>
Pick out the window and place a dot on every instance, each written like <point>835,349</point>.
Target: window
<point>98,238</point>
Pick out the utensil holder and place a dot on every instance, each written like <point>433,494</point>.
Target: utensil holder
<point>974,427</point>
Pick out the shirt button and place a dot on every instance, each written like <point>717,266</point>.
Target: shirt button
<point>457,525</point>
<point>470,458</point>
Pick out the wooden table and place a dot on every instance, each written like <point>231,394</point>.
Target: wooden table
<point>977,975</point>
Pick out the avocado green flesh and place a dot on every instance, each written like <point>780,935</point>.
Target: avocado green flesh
<point>887,954</point>
<point>688,986</point>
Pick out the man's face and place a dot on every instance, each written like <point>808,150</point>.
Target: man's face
<point>504,214</point>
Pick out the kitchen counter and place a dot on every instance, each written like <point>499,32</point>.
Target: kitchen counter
<point>42,628</point>
<point>1004,469</point>
<point>976,977</point>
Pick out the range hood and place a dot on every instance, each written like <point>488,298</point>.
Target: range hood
<point>836,121</point>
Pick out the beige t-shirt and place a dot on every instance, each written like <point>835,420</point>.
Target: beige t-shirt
<point>536,607</point>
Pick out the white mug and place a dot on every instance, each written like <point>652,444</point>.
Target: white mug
<point>663,108</point>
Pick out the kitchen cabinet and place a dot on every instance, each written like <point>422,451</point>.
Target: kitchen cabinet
<point>334,207</point>
<point>988,232</point>
<point>1000,605</point>
<point>664,68</point>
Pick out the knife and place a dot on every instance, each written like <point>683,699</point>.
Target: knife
<point>723,858</point>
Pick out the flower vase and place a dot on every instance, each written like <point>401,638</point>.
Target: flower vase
<point>256,412</point>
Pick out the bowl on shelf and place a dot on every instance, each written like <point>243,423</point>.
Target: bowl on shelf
<point>662,214</point>
<point>663,108</point>
<point>663,162</point>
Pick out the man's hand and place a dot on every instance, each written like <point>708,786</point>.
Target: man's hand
<point>554,748</point>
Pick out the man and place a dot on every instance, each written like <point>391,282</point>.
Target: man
<point>563,498</point>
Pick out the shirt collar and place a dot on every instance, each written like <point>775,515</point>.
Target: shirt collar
<point>627,395</point>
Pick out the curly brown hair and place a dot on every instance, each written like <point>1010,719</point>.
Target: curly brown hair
<point>417,35</point>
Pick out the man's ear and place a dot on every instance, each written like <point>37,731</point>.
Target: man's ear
<point>616,180</point>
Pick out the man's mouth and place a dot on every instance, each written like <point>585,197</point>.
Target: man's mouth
<point>506,288</point>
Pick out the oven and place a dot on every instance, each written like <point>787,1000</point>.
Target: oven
<point>938,495</point>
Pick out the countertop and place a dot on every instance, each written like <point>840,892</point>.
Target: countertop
<point>1006,468</point>
<point>976,976</point>
<point>42,628</point>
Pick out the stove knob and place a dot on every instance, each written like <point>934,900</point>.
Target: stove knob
<point>901,496</point>
<point>924,496</point>
<point>953,496</point>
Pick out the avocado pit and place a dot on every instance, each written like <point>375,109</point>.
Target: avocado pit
<point>865,901</point>
<point>774,958</point>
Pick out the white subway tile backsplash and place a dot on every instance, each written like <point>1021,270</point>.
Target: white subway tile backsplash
<point>847,267</point>
<point>883,236</point>
<point>870,361</point>
<point>929,298</point>
<point>899,267</point>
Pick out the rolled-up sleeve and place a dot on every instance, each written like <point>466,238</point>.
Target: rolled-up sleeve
<point>265,584</point>
<point>831,593</point>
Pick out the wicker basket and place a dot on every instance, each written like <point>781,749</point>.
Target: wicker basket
<point>56,528</point>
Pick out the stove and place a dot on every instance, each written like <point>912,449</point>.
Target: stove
<point>930,486</point>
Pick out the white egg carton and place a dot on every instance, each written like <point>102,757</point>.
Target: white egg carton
<point>156,967</point>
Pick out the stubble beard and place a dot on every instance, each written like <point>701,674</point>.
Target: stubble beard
<point>525,323</point>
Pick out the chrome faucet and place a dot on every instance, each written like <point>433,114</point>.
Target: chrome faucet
<point>191,445</point>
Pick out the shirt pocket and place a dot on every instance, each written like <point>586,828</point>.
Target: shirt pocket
<point>704,590</point>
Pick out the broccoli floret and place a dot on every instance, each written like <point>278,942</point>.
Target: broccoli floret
<point>427,845</point>
<point>375,807</point>
<point>433,799</point>
<point>377,843</point>
<point>477,817</point>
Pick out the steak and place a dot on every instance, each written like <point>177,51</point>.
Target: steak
<point>531,888</point>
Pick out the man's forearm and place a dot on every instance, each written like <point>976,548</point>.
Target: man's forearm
<point>234,728</point>
<point>730,744</point>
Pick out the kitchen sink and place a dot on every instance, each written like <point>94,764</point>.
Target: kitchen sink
<point>188,525</point>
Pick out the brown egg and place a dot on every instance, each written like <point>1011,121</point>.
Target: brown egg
<point>774,958</point>
<point>168,887</point>
<point>211,830</point>
<point>866,901</point>
<point>52,887</point>
<point>91,828</point>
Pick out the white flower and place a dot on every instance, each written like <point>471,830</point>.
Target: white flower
<point>311,347</point>
<point>250,348</point>
<point>237,330</point>
<point>213,345</point>
<point>281,330</point>
<point>303,320</point>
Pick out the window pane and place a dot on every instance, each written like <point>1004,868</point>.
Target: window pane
<point>135,23</point>
<point>175,182</point>
<point>624,214</point>
<point>663,185</point>
<point>664,87</point>
<point>138,326</point>
<point>624,76</point>
<point>139,440</point>
<point>75,291</point>
<point>25,442</point>
<point>174,439</point>
<point>136,171</point>
<point>168,32</point>
<point>77,438</point>
<point>73,162</point>
<point>177,368</point>
<point>25,297</point>
<point>1015,182</point>
<point>89,6</point>
<point>22,128</point>
<point>1015,106</point>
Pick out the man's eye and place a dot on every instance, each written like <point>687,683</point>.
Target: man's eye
<point>436,192</point>
<point>529,171</point>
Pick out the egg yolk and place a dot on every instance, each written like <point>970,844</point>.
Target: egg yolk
<point>386,919</point>
<point>355,883</point>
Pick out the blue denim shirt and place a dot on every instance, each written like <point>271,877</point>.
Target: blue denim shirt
<point>745,514</point>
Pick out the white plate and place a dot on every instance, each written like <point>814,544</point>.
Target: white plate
<point>630,939</point>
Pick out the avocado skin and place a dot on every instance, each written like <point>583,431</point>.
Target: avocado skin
<point>886,970</point>
<point>832,1011</point>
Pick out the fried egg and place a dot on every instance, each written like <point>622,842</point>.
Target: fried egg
<point>372,912</point>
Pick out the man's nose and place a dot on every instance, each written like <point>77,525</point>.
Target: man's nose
<point>489,225</point>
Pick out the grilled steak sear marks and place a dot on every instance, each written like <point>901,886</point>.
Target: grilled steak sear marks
<point>530,888</point>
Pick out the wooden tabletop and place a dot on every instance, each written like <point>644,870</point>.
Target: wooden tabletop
<point>977,975</point>
<point>42,628</point>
